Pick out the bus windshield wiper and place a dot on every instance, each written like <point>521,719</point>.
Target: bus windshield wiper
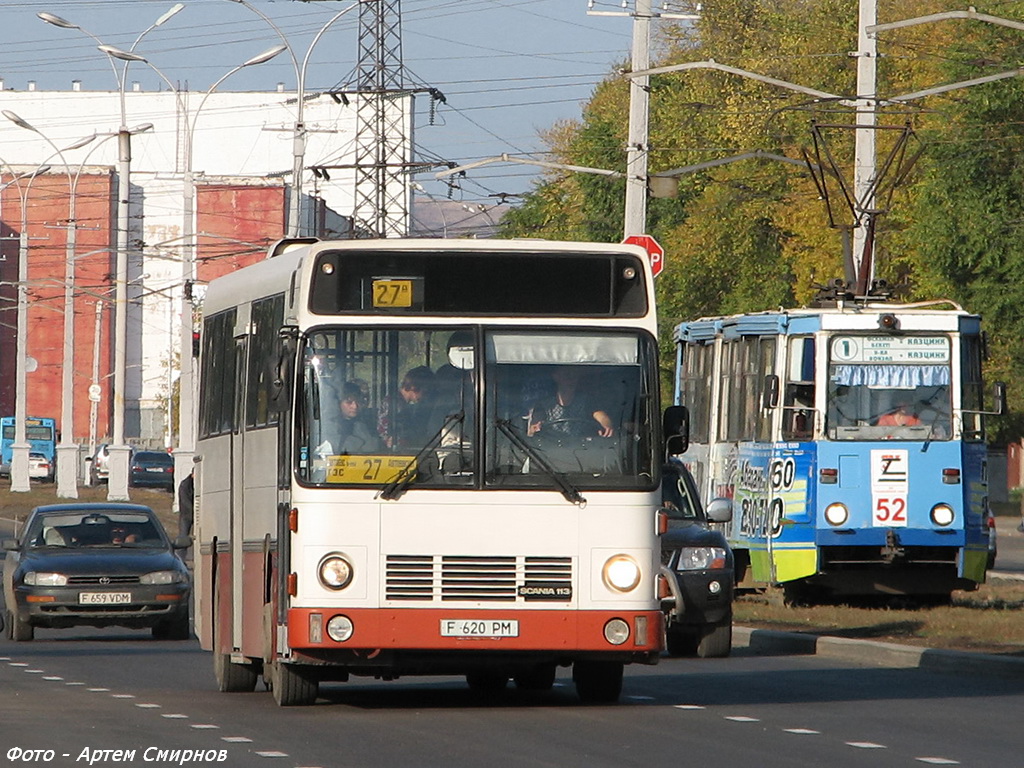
<point>404,478</point>
<point>570,492</point>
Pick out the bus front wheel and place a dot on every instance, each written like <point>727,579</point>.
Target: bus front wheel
<point>598,682</point>
<point>292,685</point>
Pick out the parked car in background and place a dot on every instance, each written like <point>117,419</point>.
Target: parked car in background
<point>40,467</point>
<point>100,564</point>
<point>152,469</point>
<point>698,564</point>
<point>99,466</point>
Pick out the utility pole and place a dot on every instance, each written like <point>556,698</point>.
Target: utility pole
<point>864,162</point>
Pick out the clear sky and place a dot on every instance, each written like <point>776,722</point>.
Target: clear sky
<point>508,68</point>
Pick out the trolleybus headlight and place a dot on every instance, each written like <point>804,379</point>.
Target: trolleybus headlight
<point>622,573</point>
<point>340,628</point>
<point>616,631</point>
<point>836,514</point>
<point>942,514</point>
<point>335,572</point>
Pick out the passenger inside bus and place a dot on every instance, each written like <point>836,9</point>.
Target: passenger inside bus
<point>411,425</point>
<point>350,431</point>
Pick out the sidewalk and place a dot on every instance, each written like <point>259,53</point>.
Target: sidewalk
<point>769,642</point>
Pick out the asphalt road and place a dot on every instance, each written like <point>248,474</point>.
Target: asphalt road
<point>76,690</point>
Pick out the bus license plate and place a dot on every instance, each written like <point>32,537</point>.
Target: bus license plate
<point>479,628</point>
<point>104,598</point>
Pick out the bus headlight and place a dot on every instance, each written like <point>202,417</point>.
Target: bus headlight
<point>943,515</point>
<point>621,573</point>
<point>836,514</point>
<point>616,631</point>
<point>335,572</point>
<point>340,628</point>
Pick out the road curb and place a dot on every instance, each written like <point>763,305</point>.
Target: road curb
<point>773,642</point>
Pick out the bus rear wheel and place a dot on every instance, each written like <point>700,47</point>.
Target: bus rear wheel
<point>598,682</point>
<point>292,685</point>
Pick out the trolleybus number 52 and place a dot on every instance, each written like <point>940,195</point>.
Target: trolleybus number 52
<point>890,510</point>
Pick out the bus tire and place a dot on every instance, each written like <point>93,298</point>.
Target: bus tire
<point>17,630</point>
<point>292,685</point>
<point>538,678</point>
<point>231,677</point>
<point>598,682</point>
<point>716,640</point>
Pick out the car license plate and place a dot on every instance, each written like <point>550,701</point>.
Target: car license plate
<point>479,628</point>
<point>104,598</point>
<point>155,469</point>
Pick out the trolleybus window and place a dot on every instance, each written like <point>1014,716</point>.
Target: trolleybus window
<point>889,387</point>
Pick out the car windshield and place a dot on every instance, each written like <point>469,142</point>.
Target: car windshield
<point>403,408</point>
<point>94,529</point>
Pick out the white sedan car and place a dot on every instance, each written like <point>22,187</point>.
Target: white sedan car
<point>39,467</point>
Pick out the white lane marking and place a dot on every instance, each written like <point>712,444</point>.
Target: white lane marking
<point>272,754</point>
<point>124,695</point>
<point>99,690</point>
<point>5,658</point>
<point>205,726</point>
<point>74,683</point>
<point>236,739</point>
<point>148,706</point>
<point>802,731</point>
<point>52,677</point>
<point>742,719</point>
<point>175,716</point>
<point>689,706</point>
<point>865,745</point>
<point>35,671</point>
<point>937,761</point>
<point>19,664</point>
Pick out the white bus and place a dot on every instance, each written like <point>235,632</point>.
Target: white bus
<point>430,457</point>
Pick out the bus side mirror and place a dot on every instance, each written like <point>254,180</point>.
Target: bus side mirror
<point>283,370</point>
<point>770,394</point>
<point>675,426</point>
<point>999,392</point>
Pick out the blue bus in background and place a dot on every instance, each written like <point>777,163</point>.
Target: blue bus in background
<point>850,439</point>
<point>41,434</point>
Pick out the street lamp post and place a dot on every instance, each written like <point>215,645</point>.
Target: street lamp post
<point>117,481</point>
<point>186,380</point>
<point>20,446</point>
<point>299,130</point>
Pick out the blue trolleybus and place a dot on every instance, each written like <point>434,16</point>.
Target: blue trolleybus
<point>41,435</point>
<point>850,439</point>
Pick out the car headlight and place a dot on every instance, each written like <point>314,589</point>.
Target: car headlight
<point>943,515</point>
<point>836,514</point>
<point>40,579</point>
<point>162,577</point>
<point>335,572</point>
<point>700,558</point>
<point>621,573</point>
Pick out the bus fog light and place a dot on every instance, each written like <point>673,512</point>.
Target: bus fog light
<point>340,628</point>
<point>836,514</point>
<point>942,514</point>
<point>616,631</point>
<point>335,572</point>
<point>621,573</point>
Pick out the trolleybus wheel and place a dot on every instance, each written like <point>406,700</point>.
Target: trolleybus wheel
<point>598,682</point>
<point>292,685</point>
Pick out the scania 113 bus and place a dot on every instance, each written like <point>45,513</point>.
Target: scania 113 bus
<point>430,457</point>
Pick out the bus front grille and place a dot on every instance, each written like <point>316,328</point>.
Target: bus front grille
<point>451,578</point>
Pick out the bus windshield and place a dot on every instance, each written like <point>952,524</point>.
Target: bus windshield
<point>889,388</point>
<point>457,406</point>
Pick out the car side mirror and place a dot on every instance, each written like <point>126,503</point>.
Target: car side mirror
<point>11,545</point>
<point>770,394</point>
<point>182,542</point>
<point>720,510</point>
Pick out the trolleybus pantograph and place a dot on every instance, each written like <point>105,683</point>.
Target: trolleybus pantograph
<point>430,457</point>
<point>849,438</point>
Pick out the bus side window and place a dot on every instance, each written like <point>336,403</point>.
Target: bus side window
<point>798,421</point>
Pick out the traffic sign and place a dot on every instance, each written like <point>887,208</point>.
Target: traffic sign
<point>94,393</point>
<point>654,251</point>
